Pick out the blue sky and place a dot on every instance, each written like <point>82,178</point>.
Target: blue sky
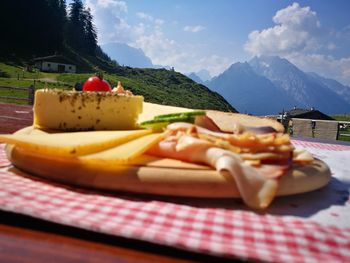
<point>191,35</point>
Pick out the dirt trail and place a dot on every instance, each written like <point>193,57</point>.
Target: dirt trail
<point>48,80</point>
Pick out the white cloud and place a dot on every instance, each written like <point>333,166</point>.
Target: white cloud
<point>162,50</point>
<point>295,30</point>
<point>109,18</point>
<point>298,36</point>
<point>331,46</point>
<point>116,4</point>
<point>159,22</point>
<point>297,17</point>
<point>139,29</point>
<point>145,16</point>
<point>193,29</point>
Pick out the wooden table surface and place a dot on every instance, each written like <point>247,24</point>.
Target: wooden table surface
<point>26,239</point>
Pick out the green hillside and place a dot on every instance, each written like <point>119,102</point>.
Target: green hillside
<point>156,85</point>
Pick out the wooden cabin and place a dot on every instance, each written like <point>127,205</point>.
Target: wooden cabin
<point>55,63</point>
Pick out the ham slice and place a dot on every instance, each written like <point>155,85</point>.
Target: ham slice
<point>257,185</point>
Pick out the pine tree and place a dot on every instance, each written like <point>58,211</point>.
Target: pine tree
<point>43,27</point>
<point>90,34</point>
<point>81,32</point>
<point>32,27</point>
<point>75,25</point>
<point>62,10</point>
<point>56,20</point>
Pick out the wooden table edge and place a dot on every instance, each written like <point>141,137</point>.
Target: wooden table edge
<point>27,239</point>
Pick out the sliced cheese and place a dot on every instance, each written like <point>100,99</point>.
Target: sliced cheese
<point>124,153</point>
<point>71,143</point>
<point>229,121</point>
<point>30,130</point>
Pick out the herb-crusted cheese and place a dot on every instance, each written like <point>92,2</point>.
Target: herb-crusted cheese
<point>78,111</point>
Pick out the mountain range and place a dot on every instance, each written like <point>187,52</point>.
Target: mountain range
<point>270,84</point>
<point>262,86</point>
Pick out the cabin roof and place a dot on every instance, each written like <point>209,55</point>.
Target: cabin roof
<point>307,114</point>
<point>55,58</point>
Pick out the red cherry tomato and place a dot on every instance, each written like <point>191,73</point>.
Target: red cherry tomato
<point>96,84</point>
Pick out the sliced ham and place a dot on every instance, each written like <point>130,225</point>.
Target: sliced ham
<point>255,161</point>
<point>256,189</point>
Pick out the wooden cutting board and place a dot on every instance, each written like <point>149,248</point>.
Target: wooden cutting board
<point>151,175</point>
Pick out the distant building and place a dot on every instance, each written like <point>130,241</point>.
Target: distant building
<point>312,113</point>
<point>285,117</point>
<point>55,63</point>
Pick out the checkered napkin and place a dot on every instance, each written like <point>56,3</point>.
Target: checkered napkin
<point>217,227</point>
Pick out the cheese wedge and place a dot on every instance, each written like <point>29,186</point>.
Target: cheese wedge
<point>71,143</point>
<point>78,111</point>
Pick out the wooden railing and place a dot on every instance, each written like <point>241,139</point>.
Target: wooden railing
<point>29,99</point>
<point>321,129</point>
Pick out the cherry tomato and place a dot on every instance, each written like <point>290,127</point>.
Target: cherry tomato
<point>96,83</point>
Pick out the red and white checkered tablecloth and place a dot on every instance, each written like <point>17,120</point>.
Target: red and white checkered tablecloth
<point>3,159</point>
<point>321,146</point>
<point>217,227</point>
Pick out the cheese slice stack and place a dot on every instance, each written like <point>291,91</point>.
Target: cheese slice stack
<point>71,144</point>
